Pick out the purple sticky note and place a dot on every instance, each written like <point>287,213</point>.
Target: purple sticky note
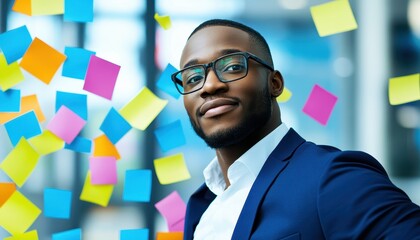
<point>103,170</point>
<point>173,208</point>
<point>320,104</point>
<point>66,124</point>
<point>101,77</point>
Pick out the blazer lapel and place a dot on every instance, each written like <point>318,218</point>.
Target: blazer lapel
<point>275,163</point>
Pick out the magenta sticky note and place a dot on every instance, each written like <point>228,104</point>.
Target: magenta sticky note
<point>101,77</point>
<point>173,208</point>
<point>320,104</point>
<point>103,170</point>
<point>66,124</point>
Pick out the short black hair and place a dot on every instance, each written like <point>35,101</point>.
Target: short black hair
<point>255,36</point>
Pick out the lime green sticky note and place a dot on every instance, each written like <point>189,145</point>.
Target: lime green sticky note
<point>31,235</point>
<point>47,7</point>
<point>20,162</point>
<point>333,17</point>
<point>285,95</point>
<point>171,169</point>
<point>142,109</point>
<point>404,89</point>
<point>18,214</point>
<point>98,194</point>
<point>164,21</point>
<point>10,74</point>
<point>46,143</point>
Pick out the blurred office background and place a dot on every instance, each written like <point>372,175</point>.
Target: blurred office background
<point>355,66</point>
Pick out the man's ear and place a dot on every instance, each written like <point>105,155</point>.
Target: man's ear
<point>276,84</point>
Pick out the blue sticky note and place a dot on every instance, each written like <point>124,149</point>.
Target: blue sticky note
<point>80,144</point>
<point>73,101</point>
<point>26,125</point>
<point>10,100</point>
<point>14,43</point>
<point>165,82</point>
<point>57,203</point>
<point>76,63</point>
<point>114,126</point>
<point>137,185</point>
<point>74,234</point>
<point>134,234</point>
<point>170,136</point>
<point>78,10</point>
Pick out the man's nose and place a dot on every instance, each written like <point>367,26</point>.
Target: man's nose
<point>213,85</point>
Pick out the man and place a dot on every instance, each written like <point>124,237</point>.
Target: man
<point>267,182</point>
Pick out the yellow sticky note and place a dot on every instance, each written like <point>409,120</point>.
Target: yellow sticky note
<point>404,89</point>
<point>10,75</point>
<point>142,109</point>
<point>23,6</point>
<point>47,7</point>
<point>285,95</point>
<point>171,169</point>
<point>46,143</point>
<point>6,190</point>
<point>31,235</point>
<point>20,162</point>
<point>41,60</point>
<point>18,214</point>
<point>27,103</point>
<point>98,194</point>
<point>333,17</point>
<point>164,21</point>
<point>103,147</point>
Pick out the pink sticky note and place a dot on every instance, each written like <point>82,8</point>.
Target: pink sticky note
<point>320,104</point>
<point>103,170</point>
<point>66,124</point>
<point>173,208</point>
<point>101,77</point>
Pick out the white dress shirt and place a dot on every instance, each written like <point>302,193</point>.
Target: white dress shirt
<point>219,220</point>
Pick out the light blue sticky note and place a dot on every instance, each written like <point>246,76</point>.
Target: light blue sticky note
<point>10,100</point>
<point>78,10</point>
<point>14,43</point>
<point>26,125</point>
<point>134,234</point>
<point>114,126</point>
<point>76,63</point>
<point>165,82</point>
<point>73,101</point>
<point>80,144</point>
<point>57,203</point>
<point>74,234</point>
<point>170,136</point>
<point>137,185</point>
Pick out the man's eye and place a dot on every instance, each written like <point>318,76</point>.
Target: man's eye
<point>193,79</point>
<point>234,68</point>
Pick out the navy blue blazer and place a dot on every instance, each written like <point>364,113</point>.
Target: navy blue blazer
<point>308,191</point>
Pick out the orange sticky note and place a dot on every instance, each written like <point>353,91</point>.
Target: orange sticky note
<point>22,6</point>
<point>103,147</point>
<point>42,61</point>
<point>169,236</point>
<point>27,103</point>
<point>98,194</point>
<point>6,190</point>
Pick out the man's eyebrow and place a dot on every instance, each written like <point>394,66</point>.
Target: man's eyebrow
<point>221,53</point>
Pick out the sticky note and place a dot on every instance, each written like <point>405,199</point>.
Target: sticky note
<point>101,77</point>
<point>114,126</point>
<point>285,95</point>
<point>333,17</point>
<point>170,136</point>
<point>102,146</point>
<point>173,209</point>
<point>404,89</point>
<point>134,234</point>
<point>10,74</point>
<point>57,203</point>
<point>142,109</point>
<point>165,82</point>
<point>14,43</point>
<point>73,101</point>
<point>26,125</point>
<point>164,21</point>
<point>47,7</point>
<point>66,124</point>
<point>23,6</point>
<point>10,100</point>
<point>77,60</point>
<point>6,190</point>
<point>137,185</point>
<point>31,235</point>
<point>78,11</point>
<point>74,234</point>
<point>169,236</point>
<point>171,169</point>
<point>20,162</point>
<point>103,170</point>
<point>320,104</point>
<point>18,214</point>
<point>97,194</point>
<point>80,144</point>
<point>27,104</point>
<point>46,143</point>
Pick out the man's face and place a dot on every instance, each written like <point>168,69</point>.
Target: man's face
<point>224,114</point>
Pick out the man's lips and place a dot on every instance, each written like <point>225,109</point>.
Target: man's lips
<point>217,106</point>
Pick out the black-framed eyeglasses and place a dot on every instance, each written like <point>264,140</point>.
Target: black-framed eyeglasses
<point>228,68</point>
